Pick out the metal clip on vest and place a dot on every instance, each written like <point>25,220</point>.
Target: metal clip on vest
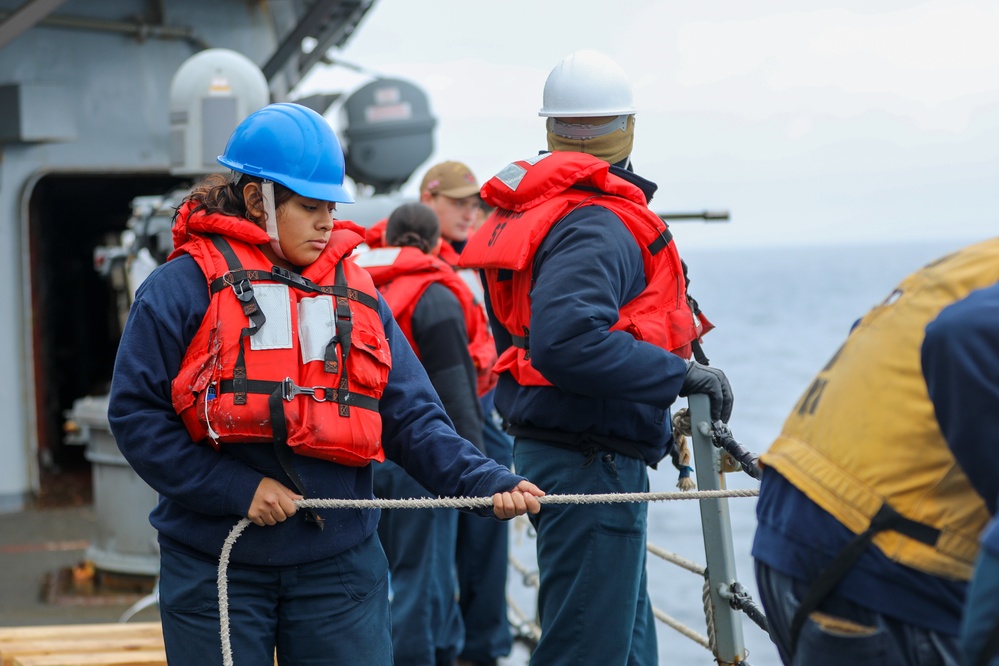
<point>289,390</point>
<point>243,290</point>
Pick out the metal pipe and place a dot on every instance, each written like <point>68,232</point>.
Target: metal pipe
<point>141,31</point>
<point>706,215</point>
<point>30,13</point>
<point>717,527</point>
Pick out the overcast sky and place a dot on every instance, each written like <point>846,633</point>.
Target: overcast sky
<point>807,120</point>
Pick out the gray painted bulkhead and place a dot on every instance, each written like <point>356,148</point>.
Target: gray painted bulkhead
<point>84,128</point>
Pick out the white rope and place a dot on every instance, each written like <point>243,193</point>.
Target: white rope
<point>452,503</point>
<point>709,616</point>
<point>524,624</point>
<point>477,502</point>
<point>224,589</point>
<point>678,560</point>
<point>681,628</point>
<point>530,579</point>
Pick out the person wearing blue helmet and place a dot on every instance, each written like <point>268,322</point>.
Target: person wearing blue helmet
<point>259,366</point>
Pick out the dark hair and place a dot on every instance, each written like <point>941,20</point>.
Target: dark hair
<point>413,225</point>
<point>217,193</point>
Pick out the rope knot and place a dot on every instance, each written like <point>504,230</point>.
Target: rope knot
<point>680,454</point>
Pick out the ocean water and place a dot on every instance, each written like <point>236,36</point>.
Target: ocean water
<point>780,313</point>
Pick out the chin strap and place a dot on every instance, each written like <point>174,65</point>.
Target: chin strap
<point>270,215</point>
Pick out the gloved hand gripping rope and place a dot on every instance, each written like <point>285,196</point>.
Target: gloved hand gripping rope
<point>713,383</point>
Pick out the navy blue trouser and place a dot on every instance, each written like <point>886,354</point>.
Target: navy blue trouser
<point>593,601</point>
<point>420,545</point>
<point>981,614</point>
<point>482,563</point>
<point>333,611</point>
<point>843,632</point>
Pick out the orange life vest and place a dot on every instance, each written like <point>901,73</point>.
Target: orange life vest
<point>374,236</point>
<point>280,355</point>
<point>403,274</point>
<point>448,254</point>
<point>532,196</point>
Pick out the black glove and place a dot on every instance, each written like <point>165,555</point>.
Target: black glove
<point>713,383</point>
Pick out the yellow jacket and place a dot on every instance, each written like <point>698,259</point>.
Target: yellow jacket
<point>864,432</point>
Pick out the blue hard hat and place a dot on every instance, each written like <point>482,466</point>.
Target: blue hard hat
<point>292,145</point>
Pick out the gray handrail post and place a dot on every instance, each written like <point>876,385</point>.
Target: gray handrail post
<point>716,525</point>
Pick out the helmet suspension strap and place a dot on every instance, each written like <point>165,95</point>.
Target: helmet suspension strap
<point>270,213</point>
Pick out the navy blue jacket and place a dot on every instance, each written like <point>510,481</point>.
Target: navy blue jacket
<point>604,383</point>
<point>203,493</point>
<point>439,333</point>
<point>960,357</point>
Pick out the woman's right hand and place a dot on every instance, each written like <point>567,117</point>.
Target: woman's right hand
<point>273,503</point>
<point>522,499</point>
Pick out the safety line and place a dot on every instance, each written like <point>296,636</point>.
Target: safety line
<point>435,503</point>
<point>478,502</point>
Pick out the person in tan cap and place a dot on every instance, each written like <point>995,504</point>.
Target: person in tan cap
<point>437,313</point>
<point>452,191</point>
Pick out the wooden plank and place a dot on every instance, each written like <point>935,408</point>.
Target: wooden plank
<point>130,658</point>
<point>122,644</point>
<point>63,631</point>
<point>9,650</point>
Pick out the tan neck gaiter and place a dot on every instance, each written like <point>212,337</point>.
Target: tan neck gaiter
<point>611,147</point>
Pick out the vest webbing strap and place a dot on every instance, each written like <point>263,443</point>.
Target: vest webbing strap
<point>283,452</point>
<point>287,390</point>
<point>284,276</point>
<point>344,327</point>
<point>659,244</point>
<point>886,518</point>
<point>523,342</point>
<point>244,292</point>
<point>664,238</point>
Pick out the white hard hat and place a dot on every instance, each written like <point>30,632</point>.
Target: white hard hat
<point>587,84</point>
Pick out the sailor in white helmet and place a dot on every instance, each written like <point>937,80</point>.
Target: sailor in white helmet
<point>588,304</point>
